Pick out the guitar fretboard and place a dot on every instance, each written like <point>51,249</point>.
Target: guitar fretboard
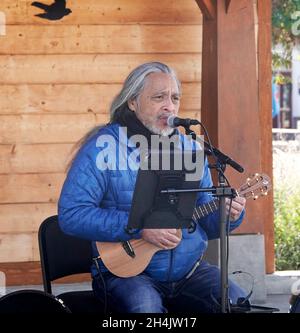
<point>205,209</point>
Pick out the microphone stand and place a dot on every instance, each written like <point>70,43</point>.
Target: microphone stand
<point>221,191</point>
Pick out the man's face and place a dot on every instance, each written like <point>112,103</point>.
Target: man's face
<point>158,100</point>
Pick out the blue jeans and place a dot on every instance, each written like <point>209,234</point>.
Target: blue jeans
<point>142,294</point>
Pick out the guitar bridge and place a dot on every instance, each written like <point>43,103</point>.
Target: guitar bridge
<point>128,249</point>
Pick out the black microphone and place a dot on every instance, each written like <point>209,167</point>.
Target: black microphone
<point>185,122</point>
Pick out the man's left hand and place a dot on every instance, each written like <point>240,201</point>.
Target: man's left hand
<point>238,204</point>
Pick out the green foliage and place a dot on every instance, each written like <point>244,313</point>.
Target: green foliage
<point>287,229</point>
<point>285,18</point>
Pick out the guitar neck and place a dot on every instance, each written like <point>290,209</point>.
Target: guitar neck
<point>205,209</point>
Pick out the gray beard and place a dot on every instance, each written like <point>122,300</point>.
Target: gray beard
<point>164,132</point>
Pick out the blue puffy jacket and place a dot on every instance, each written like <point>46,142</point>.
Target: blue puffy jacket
<point>94,204</point>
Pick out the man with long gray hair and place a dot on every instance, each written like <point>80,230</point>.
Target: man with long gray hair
<point>97,195</point>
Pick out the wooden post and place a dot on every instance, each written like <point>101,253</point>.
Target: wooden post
<point>208,8</point>
<point>264,11</point>
<point>231,107</point>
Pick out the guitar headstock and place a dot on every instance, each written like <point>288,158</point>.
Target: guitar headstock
<point>255,186</point>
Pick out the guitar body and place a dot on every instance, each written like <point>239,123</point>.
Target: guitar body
<point>118,261</point>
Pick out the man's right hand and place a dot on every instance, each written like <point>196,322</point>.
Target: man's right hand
<point>163,238</point>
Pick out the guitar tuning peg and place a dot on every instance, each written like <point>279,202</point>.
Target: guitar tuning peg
<point>255,197</point>
<point>264,192</point>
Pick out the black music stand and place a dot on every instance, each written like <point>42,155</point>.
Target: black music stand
<point>153,205</point>
<point>162,199</point>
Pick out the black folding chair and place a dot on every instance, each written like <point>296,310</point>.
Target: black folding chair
<point>63,255</point>
<point>31,301</point>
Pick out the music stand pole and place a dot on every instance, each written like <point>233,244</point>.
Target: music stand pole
<point>223,248</point>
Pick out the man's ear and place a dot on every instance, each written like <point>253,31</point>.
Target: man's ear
<point>132,104</point>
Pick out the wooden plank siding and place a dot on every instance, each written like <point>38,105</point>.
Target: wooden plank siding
<point>101,12</point>
<point>75,98</point>
<point>46,128</point>
<point>26,158</point>
<point>30,188</point>
<point>87,68</point>
<point>91,39</point>
<point>57,79</point>
<point>24,218</point>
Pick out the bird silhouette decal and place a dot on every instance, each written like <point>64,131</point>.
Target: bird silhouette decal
<point>55,11</point>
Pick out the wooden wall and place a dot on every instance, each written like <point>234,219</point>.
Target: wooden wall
<point>57,79</point>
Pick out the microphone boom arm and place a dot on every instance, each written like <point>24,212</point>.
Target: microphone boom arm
<point>211,150</point>
<point>224,159</point>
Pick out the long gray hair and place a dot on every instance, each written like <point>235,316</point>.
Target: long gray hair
<point>132,87</point>
<point>135,82</point>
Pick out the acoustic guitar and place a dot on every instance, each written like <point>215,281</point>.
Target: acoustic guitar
<point>130,258</point>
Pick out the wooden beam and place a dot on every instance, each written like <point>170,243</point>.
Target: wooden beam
<point>264,11</point>
<point>235,5</point>
<point>208,8</point>
<point>229,97</point>
<point>227,4</point>
<point>237,117</point>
